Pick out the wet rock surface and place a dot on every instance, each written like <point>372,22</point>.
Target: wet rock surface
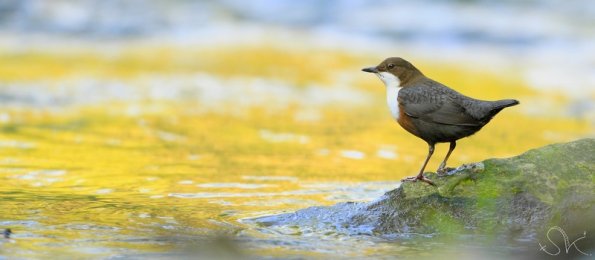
<point>519,198</point>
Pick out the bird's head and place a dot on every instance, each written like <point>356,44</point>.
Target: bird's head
<point>394,71</point>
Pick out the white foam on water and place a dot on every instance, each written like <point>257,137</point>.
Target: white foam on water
<point>276,137</point>
<point>270,178</point>
<point>353,154</point>
<point>234,185</point>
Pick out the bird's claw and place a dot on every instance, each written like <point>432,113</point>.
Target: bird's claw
<point>418,178</point>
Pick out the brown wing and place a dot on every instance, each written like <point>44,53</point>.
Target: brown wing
<point>433,104</point>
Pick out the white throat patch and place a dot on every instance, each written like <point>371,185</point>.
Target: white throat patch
<point>393,85</point>
<point>389,79</point>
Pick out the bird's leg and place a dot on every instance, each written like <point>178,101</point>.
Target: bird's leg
<point>420,176</point>
<point>442,169</point>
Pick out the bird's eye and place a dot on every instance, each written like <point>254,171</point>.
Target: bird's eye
<point>390,66</point>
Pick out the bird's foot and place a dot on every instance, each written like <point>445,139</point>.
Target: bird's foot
<point>441,172</point>
<point>418,178</point>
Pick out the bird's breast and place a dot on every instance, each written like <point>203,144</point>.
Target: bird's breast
<point>392,95</point>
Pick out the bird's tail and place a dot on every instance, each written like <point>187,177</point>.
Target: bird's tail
<point>496,106</point>
<point>500,104</point>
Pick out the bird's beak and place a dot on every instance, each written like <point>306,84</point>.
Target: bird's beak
<point>370,69</point>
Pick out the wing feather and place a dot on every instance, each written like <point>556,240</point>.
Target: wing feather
<point>432,104</point>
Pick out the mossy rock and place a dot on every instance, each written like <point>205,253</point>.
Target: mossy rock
<point>519,197</point>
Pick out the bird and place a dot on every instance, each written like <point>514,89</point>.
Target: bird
<point>432,111</point>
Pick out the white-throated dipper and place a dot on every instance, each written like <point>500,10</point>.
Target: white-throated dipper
<point>431,110</point>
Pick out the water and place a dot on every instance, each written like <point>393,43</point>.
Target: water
<point>546,38</point>
<point>161,129</point>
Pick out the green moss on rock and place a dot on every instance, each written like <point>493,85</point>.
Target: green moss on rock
<point>519,195</point>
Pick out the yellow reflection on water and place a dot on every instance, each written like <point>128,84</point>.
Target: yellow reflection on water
<point>99,180</point>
